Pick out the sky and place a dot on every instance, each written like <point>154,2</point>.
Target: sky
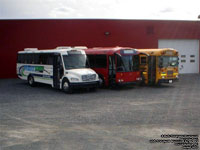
<point>100,9</point>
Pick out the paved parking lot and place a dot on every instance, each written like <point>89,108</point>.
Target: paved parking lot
<point>123,119</point>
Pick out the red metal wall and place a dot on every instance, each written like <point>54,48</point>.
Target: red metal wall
<point>15,35</point>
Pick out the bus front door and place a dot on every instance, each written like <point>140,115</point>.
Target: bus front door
<point>57,70</point>
<point>152,69</point>
<point>112,69</point>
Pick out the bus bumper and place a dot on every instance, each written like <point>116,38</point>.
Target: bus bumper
<point>129,83</point>
<point>168,80</point>
<point>126,83</point>
<point>136,82</point>
<point>94,84</point>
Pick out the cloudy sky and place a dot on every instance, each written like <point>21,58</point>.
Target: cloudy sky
<point>109,9</point>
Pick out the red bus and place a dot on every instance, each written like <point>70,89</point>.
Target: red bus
<point>115,65</point>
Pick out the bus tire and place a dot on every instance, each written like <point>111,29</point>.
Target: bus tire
<point>142,83</point>
<point>158,84</point>
<point>101,81</point>
<point>31,80</point>
<point>66,86</point>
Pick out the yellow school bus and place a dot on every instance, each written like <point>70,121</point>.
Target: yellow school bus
<point>159,65</point>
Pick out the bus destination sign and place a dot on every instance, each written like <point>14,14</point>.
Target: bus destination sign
<point>128,51</point>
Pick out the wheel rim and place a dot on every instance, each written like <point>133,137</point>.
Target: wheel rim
<point>65,86</point>
<point>30,80</point>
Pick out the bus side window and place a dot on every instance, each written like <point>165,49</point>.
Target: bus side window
<point>36,58</point>
<point>143,60</point>
<point>91,59</point>
<point>22,58</point>
<point>50,59</point>
<point>101,61</point>
<point>25,59</point>
<point>19,58</point>
<point>43,59</point>
<point>30,59</point>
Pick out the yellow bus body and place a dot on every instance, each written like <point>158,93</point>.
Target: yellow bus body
<point>152,72</point>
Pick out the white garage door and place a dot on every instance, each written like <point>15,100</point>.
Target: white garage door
<point>188,53</point>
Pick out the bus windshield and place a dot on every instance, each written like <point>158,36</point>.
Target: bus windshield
<point>74,61</point>
<point>127,63</point>
<point>166,61</point>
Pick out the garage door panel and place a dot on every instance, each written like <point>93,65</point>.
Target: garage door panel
<point>188,53</point>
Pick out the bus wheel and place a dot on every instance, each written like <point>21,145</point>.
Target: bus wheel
<point>66,86</point>
<point>31,81</point>
<point>158,84</point>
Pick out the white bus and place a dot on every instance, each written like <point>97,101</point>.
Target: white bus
<point>63,68</point>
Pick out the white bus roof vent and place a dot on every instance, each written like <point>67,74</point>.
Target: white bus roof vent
<point>63,47</point>
<point>30,49</point>
<point>80,47</point>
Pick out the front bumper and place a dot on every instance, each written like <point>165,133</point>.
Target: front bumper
<point>93,84</point>
<point>168,80</point>
<point>127,83</point>
<point>136,82</point>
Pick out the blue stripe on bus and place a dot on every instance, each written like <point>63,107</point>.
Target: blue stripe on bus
<point>42,75</point>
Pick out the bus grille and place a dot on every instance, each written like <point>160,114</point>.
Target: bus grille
<point>170,73</point>
<point>89,77</point>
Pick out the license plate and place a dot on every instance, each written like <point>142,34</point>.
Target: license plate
<point>170,81</point>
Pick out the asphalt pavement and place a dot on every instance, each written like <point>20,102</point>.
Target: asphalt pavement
<point>129,118</point>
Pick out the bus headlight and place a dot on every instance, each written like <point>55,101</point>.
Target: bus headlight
<point>120,80</point>
<point>175,74</point>
<point>163,75</point>
<point>74,79</point>
<point>139,79</point>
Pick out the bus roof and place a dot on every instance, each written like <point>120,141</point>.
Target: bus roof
<point>158,51</point>
<point>106,50</point>
<point>58,50</point>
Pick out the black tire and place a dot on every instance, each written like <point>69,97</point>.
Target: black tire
<point>101,81</point>
<point>31,81</point>
<point>66,86</point>
<point>113,85</point>
<point>142,83</point>
<point>158,84</point>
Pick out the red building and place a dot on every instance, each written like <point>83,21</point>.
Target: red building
<point>15,35</point>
